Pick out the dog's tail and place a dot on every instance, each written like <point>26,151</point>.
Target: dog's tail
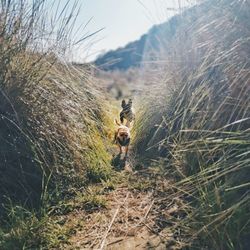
<point>119,124</point>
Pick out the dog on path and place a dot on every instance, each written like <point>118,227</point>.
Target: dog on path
<point>122,137</point>
<point>127,113</point>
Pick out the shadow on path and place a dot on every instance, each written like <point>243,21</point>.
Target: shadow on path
<point>118,163</point>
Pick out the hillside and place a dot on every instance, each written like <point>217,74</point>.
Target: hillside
<point>132,54</point>
<point>149,46</point>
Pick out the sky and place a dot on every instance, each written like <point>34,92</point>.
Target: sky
<point>121,21</point>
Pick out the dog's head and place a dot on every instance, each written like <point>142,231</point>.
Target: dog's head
<point>122,133</point>
<point>126,105</point>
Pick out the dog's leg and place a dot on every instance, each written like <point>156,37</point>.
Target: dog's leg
<point>126,151</point>
<point>122,117</point>
<point>120,149</point>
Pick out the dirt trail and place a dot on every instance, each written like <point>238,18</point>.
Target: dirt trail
<point>124,224</point>
<point>137,215</point>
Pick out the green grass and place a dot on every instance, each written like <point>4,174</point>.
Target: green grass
<point>28,231</point>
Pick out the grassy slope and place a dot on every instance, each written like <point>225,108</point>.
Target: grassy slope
<point>202,127</point>
<point>62,124</point>
<point>51,125</point>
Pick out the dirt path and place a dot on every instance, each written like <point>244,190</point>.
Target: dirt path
<point>124,224</point>
<point>136,215</point>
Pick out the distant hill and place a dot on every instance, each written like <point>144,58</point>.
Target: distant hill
<point>133,54</point>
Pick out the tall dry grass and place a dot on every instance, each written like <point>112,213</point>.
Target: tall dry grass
<point>51,112</point>
<point>51,120</point>
<point>201,127</point>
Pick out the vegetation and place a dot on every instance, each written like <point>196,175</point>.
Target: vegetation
<point>190,139</point>
<point>51,122</point>
<point>202,131</point>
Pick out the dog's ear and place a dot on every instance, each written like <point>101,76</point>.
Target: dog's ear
<point>123,103</point>
<point>115,137</point>
<point>117,123</point>
<point>130,102</point>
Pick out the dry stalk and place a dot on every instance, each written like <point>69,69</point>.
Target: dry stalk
<point>111,223</point>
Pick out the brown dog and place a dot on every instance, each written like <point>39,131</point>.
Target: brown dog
<point>122,137</point>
